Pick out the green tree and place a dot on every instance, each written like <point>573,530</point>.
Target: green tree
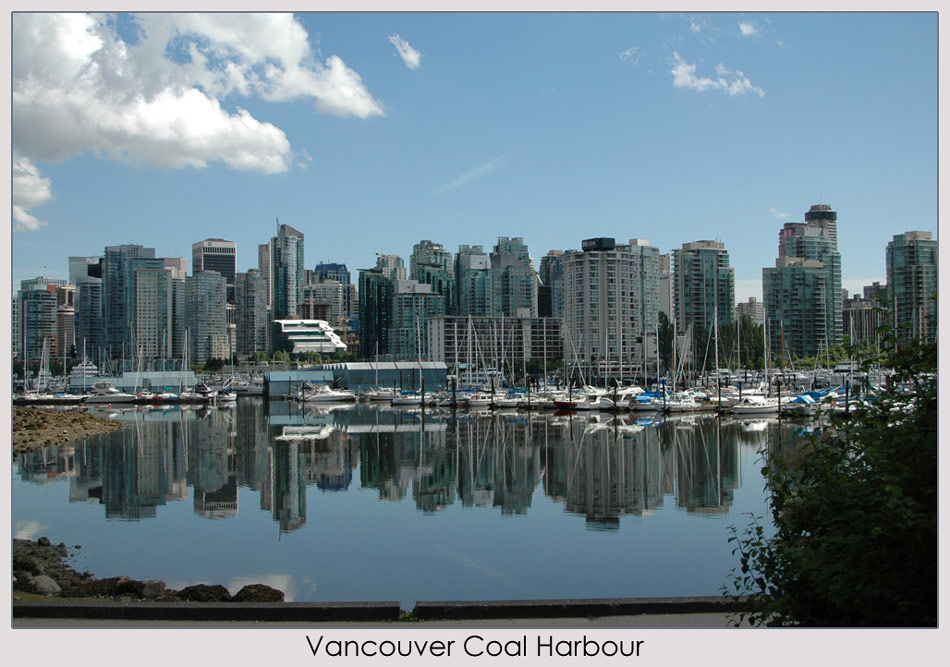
<point>855,516</point>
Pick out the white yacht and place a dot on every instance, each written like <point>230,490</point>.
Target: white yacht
<point>105,392</point>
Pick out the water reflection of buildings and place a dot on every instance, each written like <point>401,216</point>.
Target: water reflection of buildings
<point>599,467</point>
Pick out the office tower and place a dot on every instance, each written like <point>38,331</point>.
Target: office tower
<point>88,323</point>
<point>38,305</point>
<point>911,263</point>
<point>703,286</point>
<point>65,322</point>
<point>802,293</point>
<point>375,309</point>
<point>80,267</point>
<point>551,287</point>
<point>252,328</point>
<point>414,304</point>
<point>216,255</point>
<point>116,288</point>
<point>287,269</point>
<point>473,276</point>
<point>205,317</point>
<point>339,273</point>
<point>431,264</point>
<point>611,301</point>
<point>514,279</point>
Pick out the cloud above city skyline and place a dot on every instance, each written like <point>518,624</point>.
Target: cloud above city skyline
<point>732,82</point>
<point>410,57</point>
<point>154,91</point>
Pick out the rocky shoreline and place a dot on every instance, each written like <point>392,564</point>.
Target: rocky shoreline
<point>39,569</point>
<point>34,428</point>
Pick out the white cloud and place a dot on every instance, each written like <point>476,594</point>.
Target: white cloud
<point>478,172</point>
<point>693,25</point>
<point>158,100</point>
<point>633,55</point>
<point>731,82</point>
<point>748,29</point>
<point>781,215</point>
<point>410,57</point>
<point>28,190</point>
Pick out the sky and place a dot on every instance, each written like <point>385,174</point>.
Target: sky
<point>369,132</point>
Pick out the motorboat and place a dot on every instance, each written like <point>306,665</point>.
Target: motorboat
<point>105,392</point>
<point>321,393</point>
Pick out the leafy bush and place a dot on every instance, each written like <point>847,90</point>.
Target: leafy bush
<point>855,517</point>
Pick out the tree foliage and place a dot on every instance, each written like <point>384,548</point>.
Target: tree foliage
<point>855,516</point>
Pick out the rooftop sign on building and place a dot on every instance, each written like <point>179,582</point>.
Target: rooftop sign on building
<point>601,243</point>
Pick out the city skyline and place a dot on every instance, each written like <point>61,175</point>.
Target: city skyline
<point>371,132</point>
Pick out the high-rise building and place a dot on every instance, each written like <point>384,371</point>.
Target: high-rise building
<point>325,300</point>
<point>251,325</point>
<point>116,289</point>
<point>611,301</point>
<point>703,285</point>
<point>216,255</point>
<point>473,276</point>
<point>152,302</point>
<point>88,323</point>
<point>551,287</point>
<point>80,267</point>
<point>339,273</point>
<point>414,303</point>
<point>802,293</point>
<point>392,266</point>
<point>205,316</point>
<point>911,261</point>
<point>375,309</point>
<point>431,264</point>
<point>38,306</point>
<point>753,309</point>
<point>514,280</point>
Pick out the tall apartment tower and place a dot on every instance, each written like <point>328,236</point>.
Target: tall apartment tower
<point>216,255</point>
<point>611,301</point>
<point>514,280</point>
<point>704,289</point>
<point>38,306</point>
<point>375,307</point>
<point>116,290</point>
<point>802,293</point>
<point>413,305</point>
<point>252,332</point>
<point>392,266</point>
<point>156,316</point>
<point>473,276</point>
<point>911,261</point>
<point>206,316</point>
<point>431,264</point>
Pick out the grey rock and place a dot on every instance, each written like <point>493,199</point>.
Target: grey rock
<point>45,585</point>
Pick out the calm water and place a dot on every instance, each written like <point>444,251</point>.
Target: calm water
<point>373,503</point>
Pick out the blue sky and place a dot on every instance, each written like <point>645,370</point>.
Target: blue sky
<point>371,131</point>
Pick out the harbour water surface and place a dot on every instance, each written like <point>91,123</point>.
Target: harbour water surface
<point>365,502</point>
